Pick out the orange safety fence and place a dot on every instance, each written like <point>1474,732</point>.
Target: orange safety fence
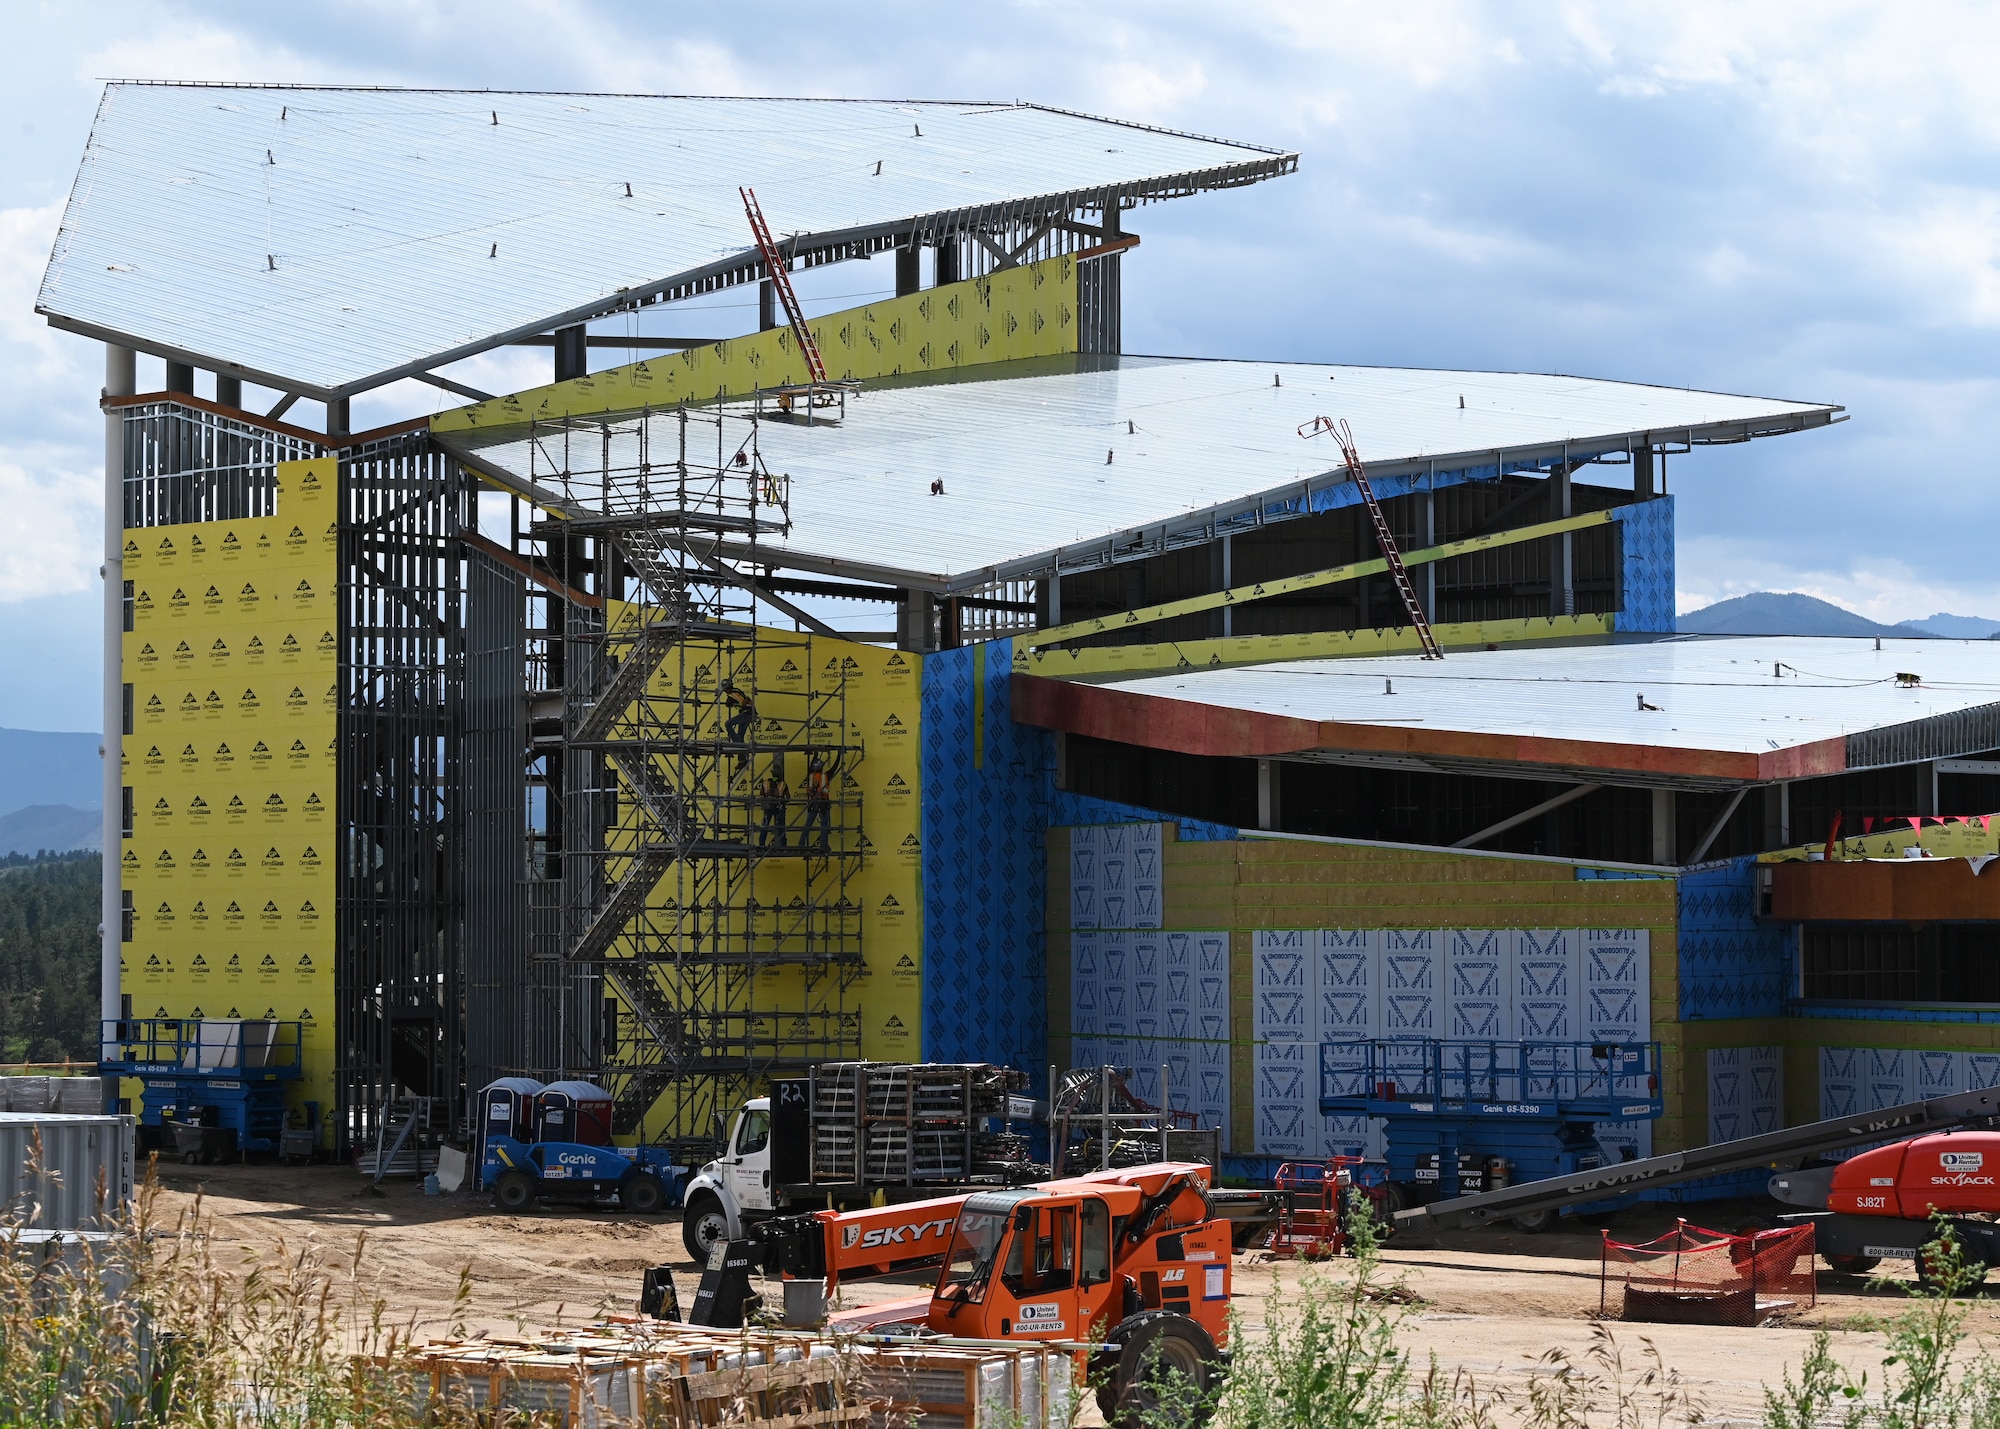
<point>1693,1275</point>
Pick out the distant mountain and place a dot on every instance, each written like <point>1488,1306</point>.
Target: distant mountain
<point>59,828</point>
<point>1774,613</point>
<point>37,767</point>
<point>1954,627</point>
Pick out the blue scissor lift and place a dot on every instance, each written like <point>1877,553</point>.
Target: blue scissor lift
<point>215,1086</point>
<point>1517,1111</point>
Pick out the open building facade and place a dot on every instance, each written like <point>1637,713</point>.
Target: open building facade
<point>514,738</point>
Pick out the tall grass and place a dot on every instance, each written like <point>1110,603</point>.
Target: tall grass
<point>144,1326</point>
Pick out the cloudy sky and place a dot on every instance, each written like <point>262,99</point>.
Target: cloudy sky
<point>1787,199</point>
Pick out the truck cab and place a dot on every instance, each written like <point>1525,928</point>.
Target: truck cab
<point>735,1189</point>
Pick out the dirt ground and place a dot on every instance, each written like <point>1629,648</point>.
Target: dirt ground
<point>1489,1302</point>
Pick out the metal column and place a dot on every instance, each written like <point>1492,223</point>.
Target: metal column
<point>120,380</point>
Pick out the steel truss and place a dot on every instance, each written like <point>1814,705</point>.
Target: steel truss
<point>717,915</point>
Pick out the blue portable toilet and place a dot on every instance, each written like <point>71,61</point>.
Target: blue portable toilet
<point>507,1108</point>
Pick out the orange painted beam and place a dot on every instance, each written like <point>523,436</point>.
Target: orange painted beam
<point>1189,727</point>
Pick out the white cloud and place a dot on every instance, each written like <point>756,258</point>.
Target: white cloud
<point>55,515</point>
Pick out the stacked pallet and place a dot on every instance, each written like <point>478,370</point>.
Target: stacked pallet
<point>625,1373</point>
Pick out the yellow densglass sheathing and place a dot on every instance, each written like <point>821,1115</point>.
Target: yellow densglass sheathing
<point>234,664</point>
<point>884,709</point>
<point>1029,311</point>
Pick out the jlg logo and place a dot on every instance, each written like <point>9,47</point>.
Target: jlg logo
<point>881,1236</point>
<point>1170,1276</point>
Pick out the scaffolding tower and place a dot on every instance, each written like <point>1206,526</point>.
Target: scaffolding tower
<point>710,812</point>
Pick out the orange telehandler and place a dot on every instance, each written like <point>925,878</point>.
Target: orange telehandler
<point>1132,1265</point>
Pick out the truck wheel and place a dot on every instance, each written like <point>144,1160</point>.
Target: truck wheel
<point>703,1227</point>
<point>1853,1264</point>
<point>1164,1370</point>
<point>1534,1222</point>
<point>641,1193</point>
<point>514,1192</point>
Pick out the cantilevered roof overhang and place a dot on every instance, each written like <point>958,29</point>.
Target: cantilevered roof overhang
<point>325,241</point>
<point>1086,460</point>
<point>1728,711</point>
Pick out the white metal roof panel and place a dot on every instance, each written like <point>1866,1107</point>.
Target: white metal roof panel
<point>1737,694</point>
<point>1042,455</point>
<point>327,238</point>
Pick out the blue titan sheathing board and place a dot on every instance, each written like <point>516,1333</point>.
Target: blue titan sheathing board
<point>1646,537</point>
<point>1730,964</point>
<point>986,866</point>
<point>986,816</point>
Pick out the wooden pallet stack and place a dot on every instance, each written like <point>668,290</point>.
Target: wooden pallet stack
<point>672,1376</point>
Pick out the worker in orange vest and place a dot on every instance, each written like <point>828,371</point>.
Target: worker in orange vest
<point>819,802</point>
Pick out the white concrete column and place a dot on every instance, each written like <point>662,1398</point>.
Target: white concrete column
<point>120,380</point>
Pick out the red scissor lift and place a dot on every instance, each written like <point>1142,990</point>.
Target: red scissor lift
<point>1313,1225</point>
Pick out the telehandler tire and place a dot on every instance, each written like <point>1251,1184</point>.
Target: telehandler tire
<point>642,1193</point>
<point>514,1192</point>
<point>1161,1367</point>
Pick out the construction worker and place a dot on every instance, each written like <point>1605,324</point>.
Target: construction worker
<point>772,796</point>
<point>819,802</point>
<point>742,712</point>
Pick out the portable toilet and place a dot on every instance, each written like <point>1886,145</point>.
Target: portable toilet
<point>573,1111</point>
<point>507,1108</point>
